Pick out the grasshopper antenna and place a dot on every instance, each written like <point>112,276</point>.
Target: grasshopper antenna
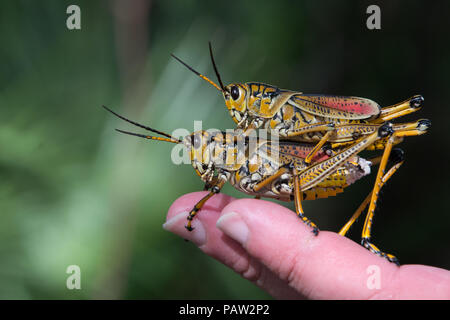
<point>215,68</point>
<point>141,125</point>
<point>199,74</point>
<point>149,137</point>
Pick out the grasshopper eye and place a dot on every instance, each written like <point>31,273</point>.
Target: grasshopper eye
<point>235,92</point>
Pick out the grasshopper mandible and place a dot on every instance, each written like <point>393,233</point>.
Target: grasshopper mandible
<point>260,168</point>
<point>315,118</point>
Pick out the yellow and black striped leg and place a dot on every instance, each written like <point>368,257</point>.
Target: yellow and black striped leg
<point>317,172</point>
<point>411,129</point>
<point>319,145</point>
<point>397,159</point>
<point>298,204</point>
<point>356,215</point>
<point>366,233</point>
<point>214,190</point>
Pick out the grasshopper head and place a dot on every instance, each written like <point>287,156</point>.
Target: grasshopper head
<point>234,94</point>
<point>235,99</point>
<point>198,145</point>
<point>211,150</point>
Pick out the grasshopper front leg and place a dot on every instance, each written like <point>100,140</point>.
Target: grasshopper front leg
<point>215,189</point>
<point>371,211</point>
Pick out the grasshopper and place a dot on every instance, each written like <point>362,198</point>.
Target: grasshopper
<point>262,168</point>
<point>327,120</point>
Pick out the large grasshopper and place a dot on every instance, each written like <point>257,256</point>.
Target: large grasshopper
<point>315,118</point>
<point>265,169</point>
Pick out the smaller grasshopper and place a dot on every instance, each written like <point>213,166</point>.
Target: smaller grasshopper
<point>260,168</point>
<point>315,118</point>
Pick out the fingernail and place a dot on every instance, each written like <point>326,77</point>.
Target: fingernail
<point>177,224</point>
<point>233,226</point>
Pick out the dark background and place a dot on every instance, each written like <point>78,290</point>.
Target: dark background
<point>72,191</point>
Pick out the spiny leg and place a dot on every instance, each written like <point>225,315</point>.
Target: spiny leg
<point>366,233</point>
<point>420,127</point>
<point>341,132</point>
<point>397,159</point>
<point>406,129</point>
<point>298,204</point>
<point>356,215</point>
<point>316,127</point>
<point>214,190</point>
<point>319,145</point>
<point>317,172</point>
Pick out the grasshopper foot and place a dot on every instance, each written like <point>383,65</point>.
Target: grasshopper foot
<point>315,230</point>
<point>189,219</point>
<point>309,223</point>
<point>372,248</point>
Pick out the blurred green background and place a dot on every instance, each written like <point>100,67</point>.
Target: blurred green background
<point>73,191</point>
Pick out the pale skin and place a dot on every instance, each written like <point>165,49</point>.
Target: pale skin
<point>268,244</point>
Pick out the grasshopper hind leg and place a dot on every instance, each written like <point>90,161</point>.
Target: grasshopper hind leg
<point>396,159</point>
<point>396,156</point>
<point>415,129</point>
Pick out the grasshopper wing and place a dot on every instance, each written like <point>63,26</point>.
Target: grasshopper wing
<point>337,107</point>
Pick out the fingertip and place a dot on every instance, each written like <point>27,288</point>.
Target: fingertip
<point>206,235</point>
<point>203,231</point>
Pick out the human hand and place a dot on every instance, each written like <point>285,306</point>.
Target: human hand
<point>268,245</point>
